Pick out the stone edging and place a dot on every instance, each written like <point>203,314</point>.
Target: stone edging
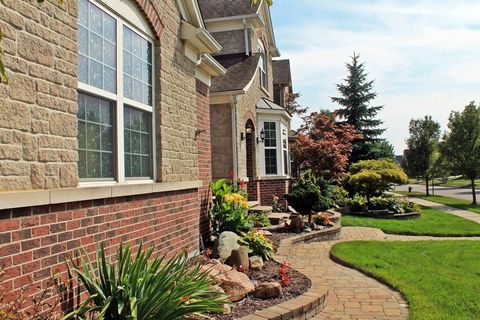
<point>311,302</point>
<point>395,216</point>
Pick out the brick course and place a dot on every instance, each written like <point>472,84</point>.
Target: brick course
<point>34,242</point>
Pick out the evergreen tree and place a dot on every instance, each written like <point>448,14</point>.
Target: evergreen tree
<point>356,93</point>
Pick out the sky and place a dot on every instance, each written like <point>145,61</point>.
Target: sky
<point>423,55</point>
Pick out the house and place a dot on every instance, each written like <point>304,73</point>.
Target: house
<point>104,129</point>
<point>249,131</point>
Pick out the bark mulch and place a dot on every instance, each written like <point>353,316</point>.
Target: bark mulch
<point>299,284</point>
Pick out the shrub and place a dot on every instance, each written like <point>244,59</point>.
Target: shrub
<point>357,203</point>
<point>230,208</point>
<point>374,177</point>
<point>142,287</point>
<point>258,244</point>
<point>307,195</point>
<point>339,195</point>
<point>323,219</point>
<point>260,220</point>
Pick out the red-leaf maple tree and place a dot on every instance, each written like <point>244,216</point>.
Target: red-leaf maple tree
<point>323,146</point>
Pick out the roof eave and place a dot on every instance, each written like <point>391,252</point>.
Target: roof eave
<point>199,38</point>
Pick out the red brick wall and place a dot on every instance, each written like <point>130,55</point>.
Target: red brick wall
<point>204,154</point>
<point>34,242</point>
<point>269,188</point>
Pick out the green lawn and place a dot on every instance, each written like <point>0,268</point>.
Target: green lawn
<point>432,223</point>
<point>453,202</point>
<point>440,279</point>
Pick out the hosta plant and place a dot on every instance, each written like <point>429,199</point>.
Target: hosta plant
<point>140,287</point>
<point>258,244</point>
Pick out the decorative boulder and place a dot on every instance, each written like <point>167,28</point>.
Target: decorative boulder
<point>238,257</point>
<point>225,243</point>
<point>296,224</point>
<point>235,284</point>
<point>256,263</point>
<point>268,290</point>
<point>226,307</point>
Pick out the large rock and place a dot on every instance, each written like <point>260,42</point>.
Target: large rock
<point>225,243</point>
<point>238,257</point>
<point>256,263</point>
<point>268,290</point>
<point>235,284</point>
<point>226,307</point>
<point>296,224</point>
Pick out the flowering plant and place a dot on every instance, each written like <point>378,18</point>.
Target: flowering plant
<point>283,273</point>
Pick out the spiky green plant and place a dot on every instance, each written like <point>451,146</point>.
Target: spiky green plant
<point>142,288</point>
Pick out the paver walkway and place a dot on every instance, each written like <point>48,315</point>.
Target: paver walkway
<point>458,212</point>
<point>352,294</point>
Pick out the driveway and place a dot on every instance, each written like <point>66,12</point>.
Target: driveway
<point>452,192</point>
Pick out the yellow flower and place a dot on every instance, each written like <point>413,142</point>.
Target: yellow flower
<point>236,198</point>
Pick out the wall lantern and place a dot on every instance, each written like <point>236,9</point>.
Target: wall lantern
<point>243,135</point>
<point>262,136</point>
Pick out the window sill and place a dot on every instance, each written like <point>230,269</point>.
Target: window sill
<point>274,177</point>
<point>19,199</point>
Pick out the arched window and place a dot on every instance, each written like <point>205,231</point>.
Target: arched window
<point>263,66</point>
<point>115,86</point>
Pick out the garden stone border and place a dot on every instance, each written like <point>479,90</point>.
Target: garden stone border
<point>311,302</point>
<point>394,216</point>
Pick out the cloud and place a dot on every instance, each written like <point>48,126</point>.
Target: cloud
<point>422,54</point>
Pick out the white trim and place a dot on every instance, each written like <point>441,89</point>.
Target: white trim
<point>125,15</point>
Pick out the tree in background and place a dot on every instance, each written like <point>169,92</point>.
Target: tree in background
<point>323,146</point>
<point>382,149</point>
<point>373,177</point>
<point>356,94</point>
<point>461,145</point>
<point>293,107</point>
<point>421,145</point>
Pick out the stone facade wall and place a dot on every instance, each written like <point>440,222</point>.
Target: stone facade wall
<point>38,123</point>
<point>204,155</point>
<point>231,41</point>
<point>34,242</point>
<point>222,149</point>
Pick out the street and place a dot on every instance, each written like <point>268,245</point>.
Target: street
<point>453,192</point>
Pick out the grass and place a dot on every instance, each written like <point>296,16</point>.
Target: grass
<point>439,279</point>
<point>452,202</point>
<point>431,223</point>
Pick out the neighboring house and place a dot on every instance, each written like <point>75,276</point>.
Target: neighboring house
<point>104,129</point>
<point>282,82</point>
<point>249,131</point>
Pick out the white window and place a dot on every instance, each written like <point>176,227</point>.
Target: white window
<point>263,67</point>
<point>275,156</point>
<point>115,101</point>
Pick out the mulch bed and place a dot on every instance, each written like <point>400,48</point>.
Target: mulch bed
<point>299,284</point>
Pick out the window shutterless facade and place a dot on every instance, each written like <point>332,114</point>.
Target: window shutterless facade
<point>263,67</point>
<point>275,158</point>
<point>115,101</point>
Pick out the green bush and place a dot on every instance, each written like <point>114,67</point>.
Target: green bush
<point>260,220</point>
<point>258,244</point>
<point>230,209</point>
<point>142,287</point>
<point>357,203</point>
<point>308,196</point>
<point>339,195</point>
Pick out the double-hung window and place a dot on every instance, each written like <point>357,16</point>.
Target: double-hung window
<point>263,67</point>
<point>115,100</point>
<point>270,148</point>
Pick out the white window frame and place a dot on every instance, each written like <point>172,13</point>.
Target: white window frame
<point>120,10</point>
<point>280,126</point>
<point>263,66</point>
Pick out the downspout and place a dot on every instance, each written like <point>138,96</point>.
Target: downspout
<point>233,102</point>
<point>245,33</point>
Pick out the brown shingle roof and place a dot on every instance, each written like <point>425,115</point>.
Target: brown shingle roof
<point>281,72</point>
<point>240,70</point>
<point>226,8</point>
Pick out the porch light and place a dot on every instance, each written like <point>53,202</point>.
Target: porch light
<point>243,136</point>
<point>262,136</point>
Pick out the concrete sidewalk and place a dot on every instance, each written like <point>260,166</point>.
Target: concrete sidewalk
<point>472,216</point>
